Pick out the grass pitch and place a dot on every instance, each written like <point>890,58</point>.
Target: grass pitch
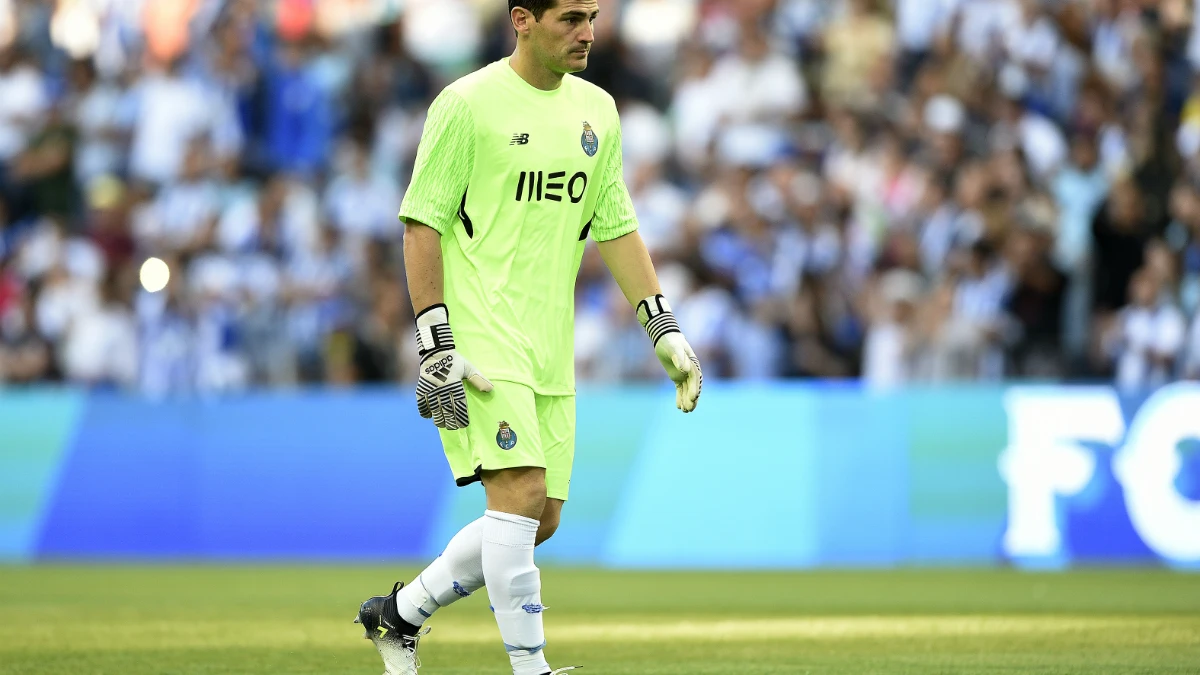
<point>118,620</point>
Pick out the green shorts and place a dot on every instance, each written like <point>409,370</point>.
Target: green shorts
<point>512,426</point>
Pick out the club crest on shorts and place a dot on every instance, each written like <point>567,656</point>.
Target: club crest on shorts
<point>506,438</point>
<point>590,141</point>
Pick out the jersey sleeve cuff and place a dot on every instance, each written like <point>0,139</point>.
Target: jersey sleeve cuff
<point>424,217</point>
<point>610,233</point>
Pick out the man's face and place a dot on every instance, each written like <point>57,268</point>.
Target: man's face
<point>564,35</point>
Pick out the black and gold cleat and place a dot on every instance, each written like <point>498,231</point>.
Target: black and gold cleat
<point>395,638</point>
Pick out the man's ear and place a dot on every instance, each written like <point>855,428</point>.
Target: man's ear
<point>521,20</point>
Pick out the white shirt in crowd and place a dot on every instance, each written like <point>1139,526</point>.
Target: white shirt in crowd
<point>1112,49</point>
<point>1043,143</point>
<point>167,347</point>
<point>646,136</point>
<point>981,300</point>
<point>983,24</point>
<point>695,119</point>
<point>101,347</point>
<point>885,362</point>
<point>22,101</point>
<point>1032,44</point>
<point>754,96</point>
<point>363,206</point>
<point>104,107</point>
<point>441,32</point>
<point>658,25</point>
<point>661,207</point>
<point>1144,332</point>
<point>240,226</point>
<point>171,112</point>
<point>180,213</point>
<point>919,22</point>
<point>799,252</point>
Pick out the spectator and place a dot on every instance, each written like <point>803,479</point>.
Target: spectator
<point>360,202</point>
<point>1119,234</point>
<point>299,116</point>
<point>759,91</point>
<point>44,171</point>
<point>1035,305</point>
<point>889,353</point>
<point>167,335</point>
<point>314,295</point>
<point>1184,235</point>
<point>171,111</point>
<point>1079,189</point>
<point>984,283</point>
<point>100,348</point>
<point>100,114</point>
<point>857,44</point>
<point>918,24</point>
<point>25,357</point>
<point>23,98</point>
<point>185,209</point>
<point>1147,336</point>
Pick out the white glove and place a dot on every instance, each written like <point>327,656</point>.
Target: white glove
<point>440,391</point>
<point>672,350</point>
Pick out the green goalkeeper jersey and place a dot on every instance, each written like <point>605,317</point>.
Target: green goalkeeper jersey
<point>514,178</point>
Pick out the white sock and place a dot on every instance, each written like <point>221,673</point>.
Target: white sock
<point>452,576</point>
<point>514,585</point>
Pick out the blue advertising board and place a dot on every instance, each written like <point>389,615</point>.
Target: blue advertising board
<point>1032,476</point>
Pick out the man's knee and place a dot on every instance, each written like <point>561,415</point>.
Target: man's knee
<point>547,528</point>
<point>548,523</point>
<point>520,491</point>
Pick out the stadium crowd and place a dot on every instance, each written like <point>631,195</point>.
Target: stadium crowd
<point>903,191</point>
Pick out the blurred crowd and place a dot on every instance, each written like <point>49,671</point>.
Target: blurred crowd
<point>904,191</point>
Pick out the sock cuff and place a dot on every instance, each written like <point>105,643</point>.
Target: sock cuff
<point>508,529</point>
<point>512,518</point>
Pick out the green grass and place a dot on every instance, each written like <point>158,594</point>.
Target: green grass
<point>119,620</point>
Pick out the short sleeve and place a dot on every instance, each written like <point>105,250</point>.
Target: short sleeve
<point>615,216</point>
<point>445,160</point>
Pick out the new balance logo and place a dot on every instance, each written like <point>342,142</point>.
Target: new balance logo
<point>519,139</point>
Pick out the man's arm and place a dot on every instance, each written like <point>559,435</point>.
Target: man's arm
<point>442,170</point>
<point>445,159</point>
<point>423,265</point>
<point>440,392</point>
<point>614,228</point>
<point>629,262</point>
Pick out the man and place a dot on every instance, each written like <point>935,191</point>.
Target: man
<point>519,162</point>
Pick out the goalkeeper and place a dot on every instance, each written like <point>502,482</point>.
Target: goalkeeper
<point>519,163</point>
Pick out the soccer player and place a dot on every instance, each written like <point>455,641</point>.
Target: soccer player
<point>519,163</point>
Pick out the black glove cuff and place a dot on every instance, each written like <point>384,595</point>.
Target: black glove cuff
<point>433,330</point>
<point>656,317</point>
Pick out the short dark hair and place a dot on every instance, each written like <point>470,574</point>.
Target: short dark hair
<point>537,7</point>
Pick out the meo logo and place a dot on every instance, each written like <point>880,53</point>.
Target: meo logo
<point>1046,461</point>
<point>534,186</point>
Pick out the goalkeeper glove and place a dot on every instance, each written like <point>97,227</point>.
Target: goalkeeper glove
<point>440,392</point>
<point>672,350</point>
